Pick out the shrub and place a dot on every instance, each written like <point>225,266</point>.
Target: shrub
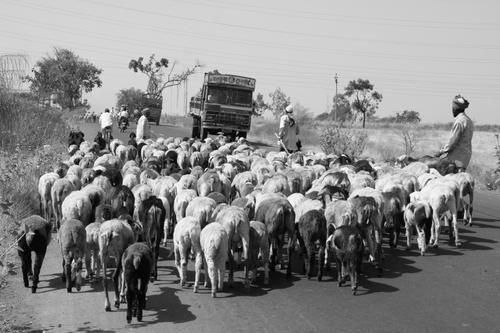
<point>341,139</point>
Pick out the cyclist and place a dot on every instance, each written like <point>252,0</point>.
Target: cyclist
<point>106,122</point>
<point>123,116</point>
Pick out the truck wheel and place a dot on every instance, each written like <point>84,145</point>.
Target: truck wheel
<point>204,133</point>
<point>195,133</point>
<point>158,122</point>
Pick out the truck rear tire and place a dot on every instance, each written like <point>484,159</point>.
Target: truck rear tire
<point>204,133</point>
<point>195,133</point>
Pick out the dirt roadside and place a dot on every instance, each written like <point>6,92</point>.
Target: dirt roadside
<point>16,314</point>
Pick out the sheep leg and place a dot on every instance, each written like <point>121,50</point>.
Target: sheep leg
<point>213,277</point>
<point>156,255</point>
<point>354,276</point>
<point>309,260</point>
<point>272,250</point>
<point>26,264</point>
<point>131,294</point>
<point>67,270</point>
<point>96,263</point>
<point>116,277</point>
<point>379,252</point>
<point>107,306</point>
<point>231,268</point>
<point>88,264</point>
<point>290,253</point>
<point>205,266</point>
<point>221,272</point>
<point>197,271</point>
<point>454,223</point>
<point>78,280</point>
<point>265,260</point>
<point>368,236</point>
<point>177,255</point>
<point>321,262</point>
<point>340,279</point>
<point>183,265</point>
<point>141,298</point>
<point>56,225</point>
<point>123,287</point>
<point>435,229</point>
<point>408,237</point>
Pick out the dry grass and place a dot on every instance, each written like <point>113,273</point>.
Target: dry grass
<point>32,141</point>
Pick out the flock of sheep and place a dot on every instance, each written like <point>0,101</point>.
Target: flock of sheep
<point>227,202</point>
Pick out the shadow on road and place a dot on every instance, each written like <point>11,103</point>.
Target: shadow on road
<point>168,307</point>
<point>367,286</point>
<point>54,282</point>
<point>90,329</point>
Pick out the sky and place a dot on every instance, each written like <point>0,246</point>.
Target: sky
<point>417,54</point>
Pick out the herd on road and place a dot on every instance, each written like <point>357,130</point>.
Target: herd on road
<point>227,205</point>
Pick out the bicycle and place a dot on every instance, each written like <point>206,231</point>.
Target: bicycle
<point>106,133</point>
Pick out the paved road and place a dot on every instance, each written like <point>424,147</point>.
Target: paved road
<point>448,290</point>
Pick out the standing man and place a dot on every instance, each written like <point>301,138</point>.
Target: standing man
<point>289,131</point>
<point>459,146</point>
<point>143,130</point>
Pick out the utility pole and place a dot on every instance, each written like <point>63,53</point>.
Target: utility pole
<point>335,98</point>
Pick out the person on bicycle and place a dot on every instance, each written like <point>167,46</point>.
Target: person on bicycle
<point>106,122</point>
<point>123,115</point>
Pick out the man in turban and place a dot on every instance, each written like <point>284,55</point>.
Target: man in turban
<point>459,146</point>
<point>288,134</point>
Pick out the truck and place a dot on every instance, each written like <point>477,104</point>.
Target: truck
<point>223,105</point>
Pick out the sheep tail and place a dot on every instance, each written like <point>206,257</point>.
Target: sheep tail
<point>137,261</point>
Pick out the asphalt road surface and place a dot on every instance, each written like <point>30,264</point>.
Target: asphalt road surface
<point>448,290</point>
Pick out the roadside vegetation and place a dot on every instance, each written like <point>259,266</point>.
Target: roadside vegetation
<point>31,140</point>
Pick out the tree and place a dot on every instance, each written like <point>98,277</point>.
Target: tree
<point>302,114</point>
<point>131,97</point>
<point>363,98</point>
<point>344,112</point>
<point>65,75</point>
<point>408,117</point>
<point>160,75</point>
<point>259,105</point>
<point>279,101</point>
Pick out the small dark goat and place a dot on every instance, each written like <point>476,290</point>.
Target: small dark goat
<point>36,238</point>
<point>311,229</point>
<point>137,263</point>
<point>347,244</point>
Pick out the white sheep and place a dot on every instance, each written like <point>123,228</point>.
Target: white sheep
<point>61,188</point>
<point>201,208</point>
<point>72,237</point>
<point>214,244</point>
<point>259,242</point>
<point>114,237</point>
<point>182,199</point>
<point>44,187</point>
<point>187,239</point>
<point>77,205</point>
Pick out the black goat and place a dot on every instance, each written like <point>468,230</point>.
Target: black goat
<point>137,263</point>
<point>347,244</point>
<point>36,238</point>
